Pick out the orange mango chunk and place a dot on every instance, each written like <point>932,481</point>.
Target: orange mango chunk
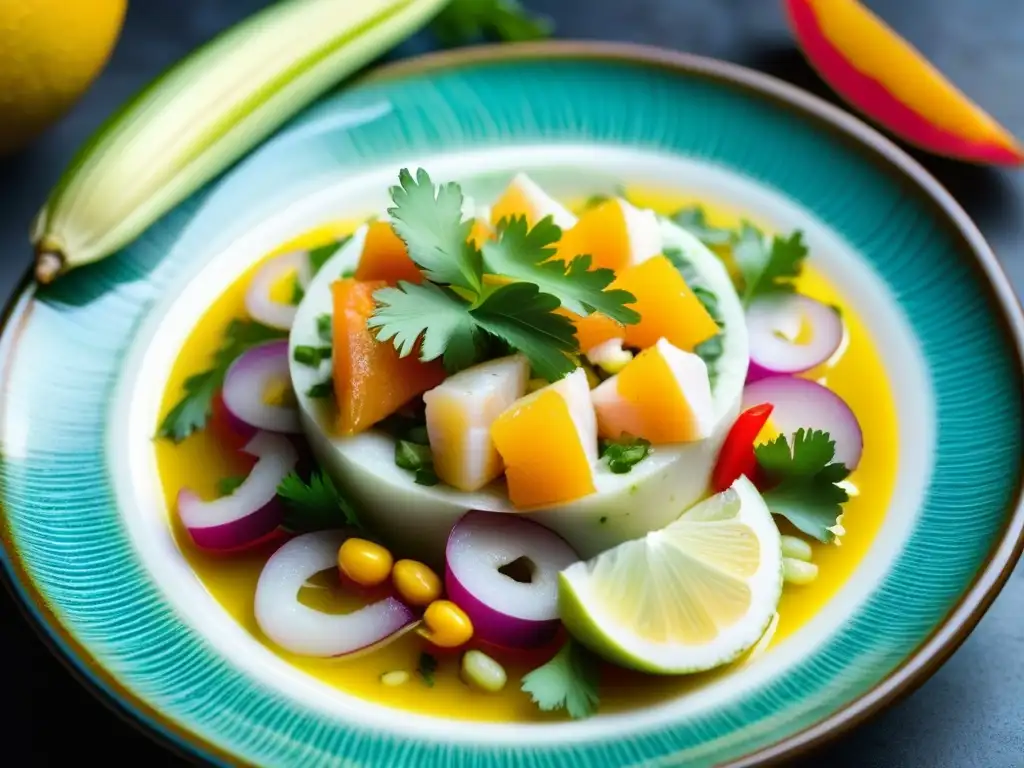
<point>663,396</point>
<point>615,235</point>
<point>370,380</point>
<point>548,443</point>
<point>522,197</point>
<point>385,257</point>
<point>668,309</point>
<point>886,78</point>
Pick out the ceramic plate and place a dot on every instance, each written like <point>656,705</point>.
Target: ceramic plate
<point>86,542</point>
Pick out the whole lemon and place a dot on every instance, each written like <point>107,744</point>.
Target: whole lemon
<point>50,51</point>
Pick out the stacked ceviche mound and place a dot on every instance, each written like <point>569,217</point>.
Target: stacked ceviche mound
<point>527,430</point>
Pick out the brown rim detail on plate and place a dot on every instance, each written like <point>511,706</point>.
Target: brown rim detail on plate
<point>917,668</point>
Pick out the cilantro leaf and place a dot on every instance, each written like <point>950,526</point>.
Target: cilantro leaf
<point>569,681</point>
<point>426,668</point>
<point>436,318</point>
<point>625,453</point>
<point>767,267</point>
<point>316,505</point>
<point>194,409</point>
<point>506,20</point>
<point>524,253</point>
<point>524,317</point>
<point>803,481</point>
<point>320,256</point>
<point>429,220</point>
<point>444,323</point>
<point>694,220</point>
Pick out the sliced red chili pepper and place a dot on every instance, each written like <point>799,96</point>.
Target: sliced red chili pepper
<point>737,455</point>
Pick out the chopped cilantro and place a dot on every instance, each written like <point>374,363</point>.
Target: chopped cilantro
<point>418,435</point>
<point>323,327</point>
<point>228,485</point>
<point>505,20</point>
<point>694,220</point>
<point>316,505</point>
<point>427,476</point>
<point>710,350</point>
<point>426,668</point>
<point>312,356</point>
<point>625,453</point>
<point>196,406</point>
<point>767,267</point>
<point>803,481</point>
<point>298,293</point>
<point>569,681</point>
<point>409,455</point>
<point>320,256</point>
<point>321,390</point>
<point>347,273</point>
<point>524,253</point>
<point>595,200</point>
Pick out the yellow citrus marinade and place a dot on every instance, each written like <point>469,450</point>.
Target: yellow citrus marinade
<point>201,460</point>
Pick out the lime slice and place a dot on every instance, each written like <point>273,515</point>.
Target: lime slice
<point>692,596</point>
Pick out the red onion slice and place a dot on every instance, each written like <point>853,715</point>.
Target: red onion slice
<point>307,632</point>
<point>505,611</point>
<point>801,403</point>
<point>246,384</point>
<point>772,323</point>
<point>258,303</point>
<point>253,510</point>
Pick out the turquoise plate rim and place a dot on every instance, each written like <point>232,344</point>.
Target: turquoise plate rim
<point>915,668</point>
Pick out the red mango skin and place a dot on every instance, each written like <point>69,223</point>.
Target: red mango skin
<point>873,99</point>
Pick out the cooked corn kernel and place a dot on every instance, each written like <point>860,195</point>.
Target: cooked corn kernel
<point>797,548</point>
<point>416,583</point>
<point>446,625</point>
<point>366,563</point>
<point>483,672</point>
<point>395,678</point>
<point>798,572</point>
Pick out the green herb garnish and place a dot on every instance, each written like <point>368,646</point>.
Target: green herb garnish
<point>455,316</point>
<point>323,327</point>
<point>320,256</point>
<point>624,454</point>
<point>426,476</point>
<point>311,356</point>
<point>228,485</point>
<point>694,220</point>
<point>321,389</point>
<point>503,20</point>
<point>426,668</point>
<point>194,409</point>
<point>767,266</point>
<point>524,253</point>
<point>316,505</point>
<point>711,349</point>
<point>412,456</point>
<point>803,481</point>
<point>569,681</point>
<point>298,293</point>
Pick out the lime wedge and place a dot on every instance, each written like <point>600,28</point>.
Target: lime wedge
<point>695,595</point>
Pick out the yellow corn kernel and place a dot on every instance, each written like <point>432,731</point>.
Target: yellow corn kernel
<point>416,583</point>
<point>365,562</point>
<point>446,625</point>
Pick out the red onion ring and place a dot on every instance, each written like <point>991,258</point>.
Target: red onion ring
<point>258,303</point>
<point>307,632</point>
<point>504,611</point>
<point>253,510</point>
<point>804,404</point>
<point>246,382</point>
<point>775,319</point>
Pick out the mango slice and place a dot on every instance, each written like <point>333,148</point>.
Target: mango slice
<point>887,79</point>
<point>668,309</point>
<point>370,380</point>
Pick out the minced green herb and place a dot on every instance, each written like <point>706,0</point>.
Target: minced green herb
<point>625,453</point>
<point>321,390</point>
<point>312,356</point>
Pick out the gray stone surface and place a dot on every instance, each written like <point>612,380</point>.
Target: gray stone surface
<point>971,713</point>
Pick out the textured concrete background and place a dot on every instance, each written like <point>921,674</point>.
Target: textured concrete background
<point>971,713</point>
